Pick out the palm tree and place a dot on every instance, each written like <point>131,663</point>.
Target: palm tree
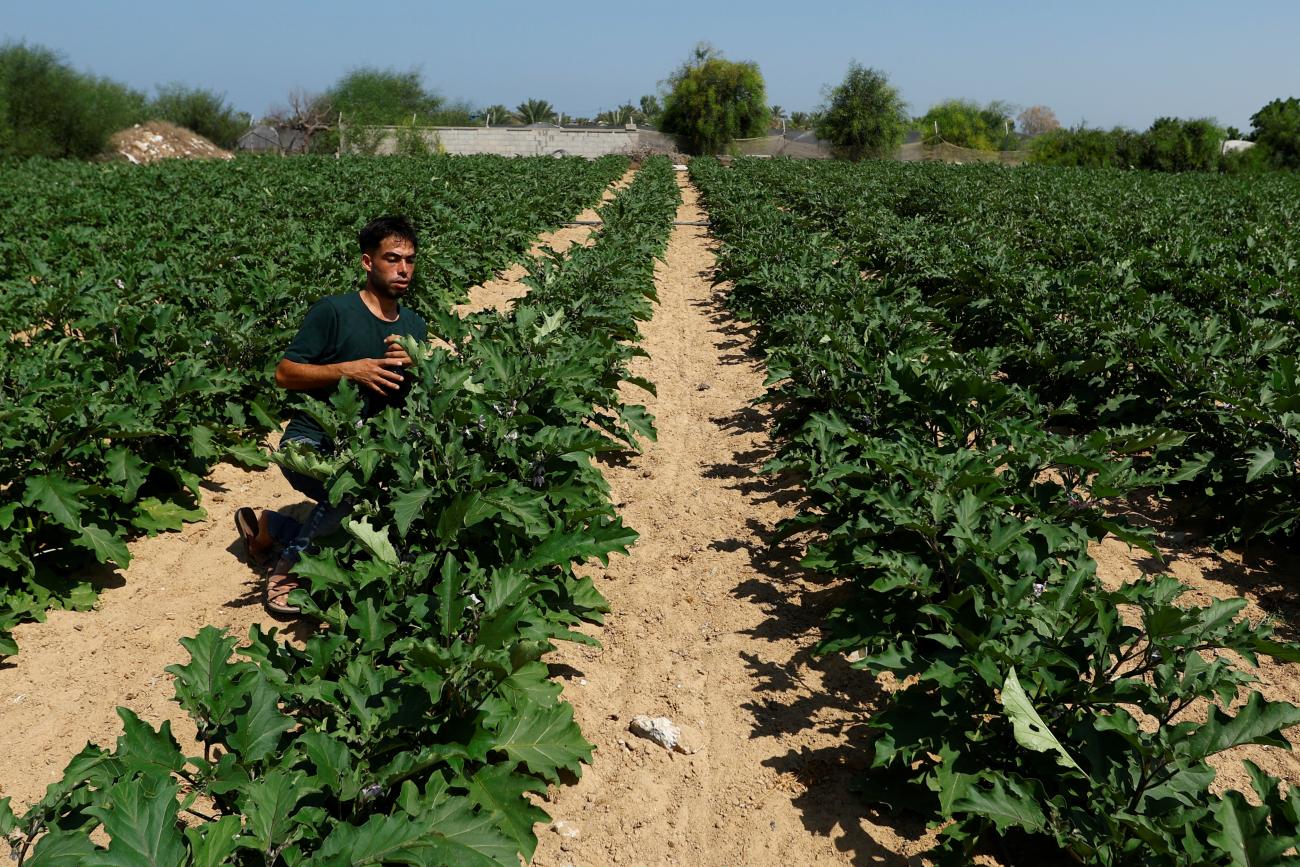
<point>498,115</point>
<point>535,111</point>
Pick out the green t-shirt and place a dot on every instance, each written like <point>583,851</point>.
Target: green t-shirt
<point>342,328</point>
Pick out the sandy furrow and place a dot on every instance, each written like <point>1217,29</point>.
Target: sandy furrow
<point>706,630</point>
<point>500,293</point>
<point>73,671</point>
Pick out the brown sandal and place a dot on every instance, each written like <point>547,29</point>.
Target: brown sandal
<point>246,526</point>
<point>275,593</point>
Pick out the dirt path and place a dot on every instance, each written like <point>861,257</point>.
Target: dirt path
<point>73,671</point>
<point>499,293</point>
<point>701,633</point>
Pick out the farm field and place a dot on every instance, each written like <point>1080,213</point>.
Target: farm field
<point>979,375</point>
<point>989,402</point>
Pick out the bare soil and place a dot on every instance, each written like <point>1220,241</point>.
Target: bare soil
<point>711,629</point>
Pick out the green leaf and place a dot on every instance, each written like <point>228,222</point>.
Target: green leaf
<point>155,516</point>
<point>269,805</point>
<point>500,792</point>
<point>449,834</point>
<point>56,496</point>
<point>126,469</point>
<point>1261,461</point>
<point>451,606</point>
<point>211,845</point>
<point>143,750</point>
<point>140,820</point>
<point>1029,729</point>
<point>248,454</point>
<point>1259,721</point>
<point>204,685</point>
<point>545,739</point>
<point>407,507</point>
<point>62,849</point>
<point>1242,832</point>
<point>1008,802</point>
<point>258,729</point>
<point>107,547</point>
<point>375,541</point>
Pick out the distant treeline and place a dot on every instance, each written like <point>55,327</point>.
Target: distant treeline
<point>49,109</point>
<point>1174,145</point>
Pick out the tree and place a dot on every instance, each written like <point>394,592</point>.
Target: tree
<point>713,101</point>
<point>499,115</point>
<point>202,111</point>
<point>1276,129</point>
<point>367,95</point>
<point>864,116</point>
<point>1037,120</point>
<point>968,124</point>
<point>535,111</point>
<point>621,116</point>
<point>651,110</point>
<point>1173,145</point>
<point>310,114</point>
<point>49,109</point>
<point>799,119</point>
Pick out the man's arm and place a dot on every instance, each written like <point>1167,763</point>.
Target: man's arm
<point>376,374</point>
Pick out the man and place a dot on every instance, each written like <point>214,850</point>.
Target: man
<point>353,337</point>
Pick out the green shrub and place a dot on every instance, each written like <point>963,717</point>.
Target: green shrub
<point>1276,129</point>
<point>865,117</point>
<point>1170,145</point>
<point>713,101</point>
<point>1173,145</point>
<point>202,111</point>
<point>968,124</point>
<point>48,109</point>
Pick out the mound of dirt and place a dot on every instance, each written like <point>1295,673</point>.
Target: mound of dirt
<point>159,140</point>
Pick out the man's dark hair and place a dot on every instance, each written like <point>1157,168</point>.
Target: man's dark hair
<point>380,229</point>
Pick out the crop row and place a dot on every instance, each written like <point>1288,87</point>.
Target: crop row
<point>1033,711</point>
<point>1117,299</point>
<point>144,309</point>
<point>414,724</point>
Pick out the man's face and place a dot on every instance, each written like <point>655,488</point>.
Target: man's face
<point>391,267</point>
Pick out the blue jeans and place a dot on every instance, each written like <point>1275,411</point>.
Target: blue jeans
<point>294,536</point>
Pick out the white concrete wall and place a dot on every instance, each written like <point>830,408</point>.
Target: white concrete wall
<point>520,141</point>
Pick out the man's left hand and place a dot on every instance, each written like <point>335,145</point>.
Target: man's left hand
<point>395,350</point>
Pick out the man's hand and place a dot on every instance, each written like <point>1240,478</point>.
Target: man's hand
<point>395,350</point>
<point>377,374</point>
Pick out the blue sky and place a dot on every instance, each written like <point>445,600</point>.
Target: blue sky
<point>1103,62</point>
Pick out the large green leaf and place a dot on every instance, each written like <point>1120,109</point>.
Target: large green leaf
<point>107,547</point>
<point>269,804</point>
<point>500,793</point>
<point>545,739</point>
<point>212,844</point>
<point>257,730</point>
<point>375,540</point>
<point>1259,721</point>
<point>141,749</point>
<point>407,507</point>
<point>1029,729</point>
<point>156,516</point>
<point>62,849</point>
<point>57,496</point>
<point>1005,801</point>
<point>140,820</point>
